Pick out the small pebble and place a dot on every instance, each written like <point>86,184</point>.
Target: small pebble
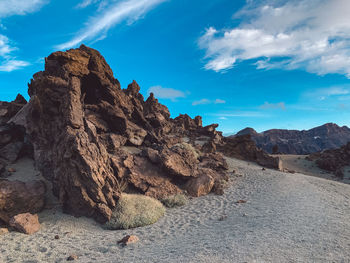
<point>72,257</point>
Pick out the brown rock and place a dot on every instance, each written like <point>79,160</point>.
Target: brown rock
<point>3,231</point>
<point>25,223</point>
<point>90,137</point>
<point>244,148</point>
<point>333,160</point>
<point>72,257</point>
<point>129,239</point>
<point>18,197</point>
<point>202,185</point>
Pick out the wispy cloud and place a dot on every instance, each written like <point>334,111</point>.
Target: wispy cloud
<point>86,3</point>
<point>239,113</point>
<point>330,92</point>
<point>268,106</point>
<point>166,93</point>
<point>291,34</point>
<point>12,65</point>
<point>128,10</point>
<point>20,7</point>
<point>219,101</point>
<point>201,102</point>
<point>206,101</point>
<point>8,61</point>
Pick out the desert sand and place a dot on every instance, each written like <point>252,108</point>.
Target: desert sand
<point>287,218</point>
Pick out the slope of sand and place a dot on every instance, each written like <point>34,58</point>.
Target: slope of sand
<point>287,218</point>
<point>299,164</point>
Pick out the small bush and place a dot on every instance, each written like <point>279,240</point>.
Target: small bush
<point>188,147</point>
<point>135,211</point>
<point>175,200</point>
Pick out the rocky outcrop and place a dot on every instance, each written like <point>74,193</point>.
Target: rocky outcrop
<point>13,140</point>
<point>93,139</point>
<point>328,136</point>
<point>18,197</point>
<point>333,160</point>
<point>243,147</point>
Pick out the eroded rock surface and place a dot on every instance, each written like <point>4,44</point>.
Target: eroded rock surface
<point>333,160</point>
<point>26,223</point>
<point>244,148</point>
<point>18,197</point>
<point>93,139</point>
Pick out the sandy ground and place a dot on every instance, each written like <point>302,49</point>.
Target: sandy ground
<point>299,164</point>
<point>287,218</point>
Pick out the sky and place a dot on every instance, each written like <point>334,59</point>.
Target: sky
<point>239,63</point>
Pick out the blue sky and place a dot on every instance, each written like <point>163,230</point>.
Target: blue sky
<point>263,64</point>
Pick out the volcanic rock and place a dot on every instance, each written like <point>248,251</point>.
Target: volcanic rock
<point>25,223</point>
<point>129,239</point>
<point>333,160</point>
<point>244,148</point>
<point>3,231</point>
<point>93,139</point>
<point>201,185</point>
<point>327,136</point>
<point>18,197</point>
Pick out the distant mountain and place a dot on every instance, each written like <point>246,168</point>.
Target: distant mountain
<point>328,136</point>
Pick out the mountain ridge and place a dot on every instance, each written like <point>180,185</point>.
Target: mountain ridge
<point>324,137</point>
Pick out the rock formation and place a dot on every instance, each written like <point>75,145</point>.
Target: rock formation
<point>328,136</point>
<point>13,140</point>
<point>93,139</point>
<point>18,197</point>
<point>243,147</point>
<point>333,160</point>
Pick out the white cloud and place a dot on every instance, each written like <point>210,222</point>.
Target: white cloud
<point>279,105</point>
<point>206,101</point>
<point>239,113</point>
<point>127,10</point>
<point>291,34</point>
<point>166,93</point>
<point>325,93</point>
<point>201,102</point>
<point>219,101</point>
<point>11,65</point>
<point>85,3</point>
<point>8,62</point>
<point>20,7</point>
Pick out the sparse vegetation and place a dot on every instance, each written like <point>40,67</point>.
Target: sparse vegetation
<point>188,147</point>
<point>135,211</point>
<point>175,200</point>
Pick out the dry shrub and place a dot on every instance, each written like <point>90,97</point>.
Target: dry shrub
<point>135,210</point>
<point>188,147</point>
<point>175,200</point>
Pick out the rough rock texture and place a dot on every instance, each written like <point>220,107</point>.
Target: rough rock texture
<point>129,239</point>
<point>13,139</point>
<point>333,160</point>
<point>328,136</point>
<point>244,148</point>
<point>26,223</point>
<point>18,197</point>
<point>93,139</point>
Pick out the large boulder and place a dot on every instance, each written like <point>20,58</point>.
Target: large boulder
<point>18,197</point>
<point>94,140</point>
